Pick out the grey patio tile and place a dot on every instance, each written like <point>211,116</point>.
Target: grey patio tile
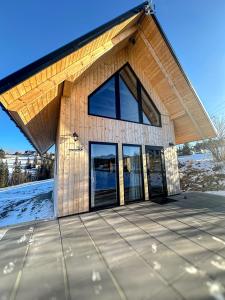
<point>13,249</point>
<point>128,268</point>
<point>197,236</point>
<point>169,294</point>
<point>158,231</point>
<point>166,262</point>
<point>195,285</point>
<point>138,281</point>
<point>214,266</point>
<point>163,260</point>
<point>188,249</point>
<point>42,275</point>
<point>87,273</point>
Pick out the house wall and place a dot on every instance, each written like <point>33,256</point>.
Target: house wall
<point>72,170</point>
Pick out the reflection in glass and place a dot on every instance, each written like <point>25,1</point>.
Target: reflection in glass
<point>150,115</point>
<point>103,175</point>
<point>132,173</point>
<point>129,107</point>
<point>103,101</point>
<point>155,171</point>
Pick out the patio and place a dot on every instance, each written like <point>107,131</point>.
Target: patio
<point>141,251</point>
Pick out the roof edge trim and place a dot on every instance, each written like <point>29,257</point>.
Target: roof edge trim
<point>182,71</point>
<point>19,76</point>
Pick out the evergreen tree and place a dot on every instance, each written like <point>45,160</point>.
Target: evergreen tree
<point>51,169</point>
<point>6,173</point>
<point>28,163</point>
<point>17,175</point>
<point>2,153</point>
<point>2,175</point>
<point>186,149</point>
<point>35,161</point>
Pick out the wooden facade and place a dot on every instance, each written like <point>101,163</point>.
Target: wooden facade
<point>72,173</point>
<point>50,102</point>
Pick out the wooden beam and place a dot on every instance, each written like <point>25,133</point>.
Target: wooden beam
<point>78,66</point>
<point>177,115</point>
<point>170,81</point>
<point>67,88</point>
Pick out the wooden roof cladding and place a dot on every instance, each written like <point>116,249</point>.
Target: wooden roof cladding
<point>34,103</point>
<point>32,95</point>
<point>191,121</point>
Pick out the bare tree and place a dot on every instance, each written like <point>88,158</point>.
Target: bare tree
<point>217,145</point>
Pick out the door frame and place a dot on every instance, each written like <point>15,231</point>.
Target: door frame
<point>117,176</point>
<point>142,175</point>
<point>163,172</point>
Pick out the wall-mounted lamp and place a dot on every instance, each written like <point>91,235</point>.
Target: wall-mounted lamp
<point>171,144</point>
<point>75,136</point>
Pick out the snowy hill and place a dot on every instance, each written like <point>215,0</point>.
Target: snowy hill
<point>199,172</point>
<point>26,202</point>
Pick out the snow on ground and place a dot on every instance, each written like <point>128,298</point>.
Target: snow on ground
<point>26,202</point>
<point>219,193</point>
<point>199,172</point>
<point>198,161</point>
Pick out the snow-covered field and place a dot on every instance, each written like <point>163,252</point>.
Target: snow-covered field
<point>26,202</point>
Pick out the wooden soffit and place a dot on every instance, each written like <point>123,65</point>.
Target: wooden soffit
<point>34,102</point>
<point>161,66</point>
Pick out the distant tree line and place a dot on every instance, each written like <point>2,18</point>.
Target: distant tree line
<point>187,149</point>
<point>33,170</point>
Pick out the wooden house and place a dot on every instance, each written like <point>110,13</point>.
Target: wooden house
<point>115,102</point>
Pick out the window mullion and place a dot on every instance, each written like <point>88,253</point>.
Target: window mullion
<point>139,101</point>
<point>117,94</point>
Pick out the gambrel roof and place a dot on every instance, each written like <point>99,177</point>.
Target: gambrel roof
<point>31,96</point>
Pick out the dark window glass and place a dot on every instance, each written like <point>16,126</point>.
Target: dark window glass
<point>133,188</point>
<point>155,172</point>
<point>150,115</point>
<point>103,101</point>
<point>123,97</point>
<point>103,175</point>
<point>129,107</point>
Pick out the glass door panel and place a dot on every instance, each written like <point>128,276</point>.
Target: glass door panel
<point>133,180</point>
<point>155,171</point>
<point>104,175</point>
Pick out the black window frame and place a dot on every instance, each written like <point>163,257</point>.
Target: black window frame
<point>163,170</point>
<point>141,172</point>
<point>117,99</point>
<point>117,176</point>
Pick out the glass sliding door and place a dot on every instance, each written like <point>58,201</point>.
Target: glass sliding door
<point>103,175</point>
<point>132,169</point>
<point>155,171</point>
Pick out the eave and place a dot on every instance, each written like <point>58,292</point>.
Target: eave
<point>32,95</point>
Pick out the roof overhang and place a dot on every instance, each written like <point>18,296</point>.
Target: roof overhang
<point>31,96</point>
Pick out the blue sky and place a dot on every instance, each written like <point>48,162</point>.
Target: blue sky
<point>31,29</point>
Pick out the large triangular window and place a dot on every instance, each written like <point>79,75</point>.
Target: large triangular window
<point>123,97</point>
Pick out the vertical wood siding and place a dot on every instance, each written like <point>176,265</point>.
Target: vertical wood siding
<point>172,174</point>
<point>72,176</point>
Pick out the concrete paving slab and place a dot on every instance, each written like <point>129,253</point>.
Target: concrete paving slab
<point>140,251</point>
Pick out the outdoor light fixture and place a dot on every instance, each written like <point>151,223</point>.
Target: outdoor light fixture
<point>75,136</point>
<point>171,144</point>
